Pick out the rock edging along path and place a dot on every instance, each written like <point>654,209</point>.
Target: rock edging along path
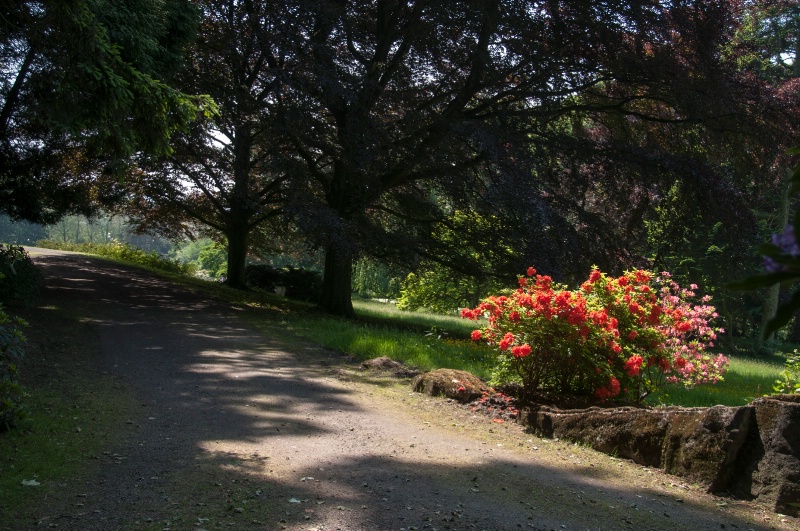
<point>247,428</point>
<point>751,451</point>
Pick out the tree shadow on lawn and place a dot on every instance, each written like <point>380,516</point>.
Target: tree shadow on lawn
<point>242,431</point>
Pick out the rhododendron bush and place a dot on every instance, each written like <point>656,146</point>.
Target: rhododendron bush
<point>613,337</point>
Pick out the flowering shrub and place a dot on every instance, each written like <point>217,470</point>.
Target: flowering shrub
<point>612,337</point>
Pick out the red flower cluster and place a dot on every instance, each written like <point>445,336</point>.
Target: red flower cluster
<point>633,365</point>
<point>609,391</point>
<point>521,351</point>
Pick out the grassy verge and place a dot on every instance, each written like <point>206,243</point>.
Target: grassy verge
<point>447,325</point>
<point>365,340</point>
<point>74,412</point>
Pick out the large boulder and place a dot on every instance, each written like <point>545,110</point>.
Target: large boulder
<point>769,464</point>
<point>704,444</point>
<point>450,383</point>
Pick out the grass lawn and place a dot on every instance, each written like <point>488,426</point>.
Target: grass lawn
<point>74,411</point>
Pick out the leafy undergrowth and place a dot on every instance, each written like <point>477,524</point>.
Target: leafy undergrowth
<point>74,411</point>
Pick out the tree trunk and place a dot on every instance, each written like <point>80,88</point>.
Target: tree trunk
<point>237,257</point>
<point>239,214</point>
<point>337,282</point>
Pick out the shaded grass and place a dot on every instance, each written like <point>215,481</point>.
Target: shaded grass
<point>74,412</point>
<point>53,443</point>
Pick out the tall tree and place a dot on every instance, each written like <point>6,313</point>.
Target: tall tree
<point>390,104</point>
<point>223,176</point>
<point>79,87</point>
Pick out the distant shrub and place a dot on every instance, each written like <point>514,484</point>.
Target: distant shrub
<point>263,276</point>
<point>12,395</point>
<point>20,281</point>
<point>124,252</point>
<point>300,284</point>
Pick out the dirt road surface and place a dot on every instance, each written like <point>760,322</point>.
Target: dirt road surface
<point>244,427</point>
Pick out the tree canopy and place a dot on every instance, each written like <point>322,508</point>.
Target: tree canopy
<point>481,135</point>
<point>399,112</point>
<point>79,89</point>
<point>222,176</point>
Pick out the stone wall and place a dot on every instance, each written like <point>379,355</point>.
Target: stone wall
<point>749,452</point>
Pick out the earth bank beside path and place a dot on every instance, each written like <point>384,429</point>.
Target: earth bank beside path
<point>243,427</point>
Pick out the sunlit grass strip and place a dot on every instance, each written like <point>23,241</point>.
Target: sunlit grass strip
<point>745,380</point>
<point>379,311</point>
<point>123,252</point>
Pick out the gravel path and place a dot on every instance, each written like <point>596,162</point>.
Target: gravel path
<point>239,429</point>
